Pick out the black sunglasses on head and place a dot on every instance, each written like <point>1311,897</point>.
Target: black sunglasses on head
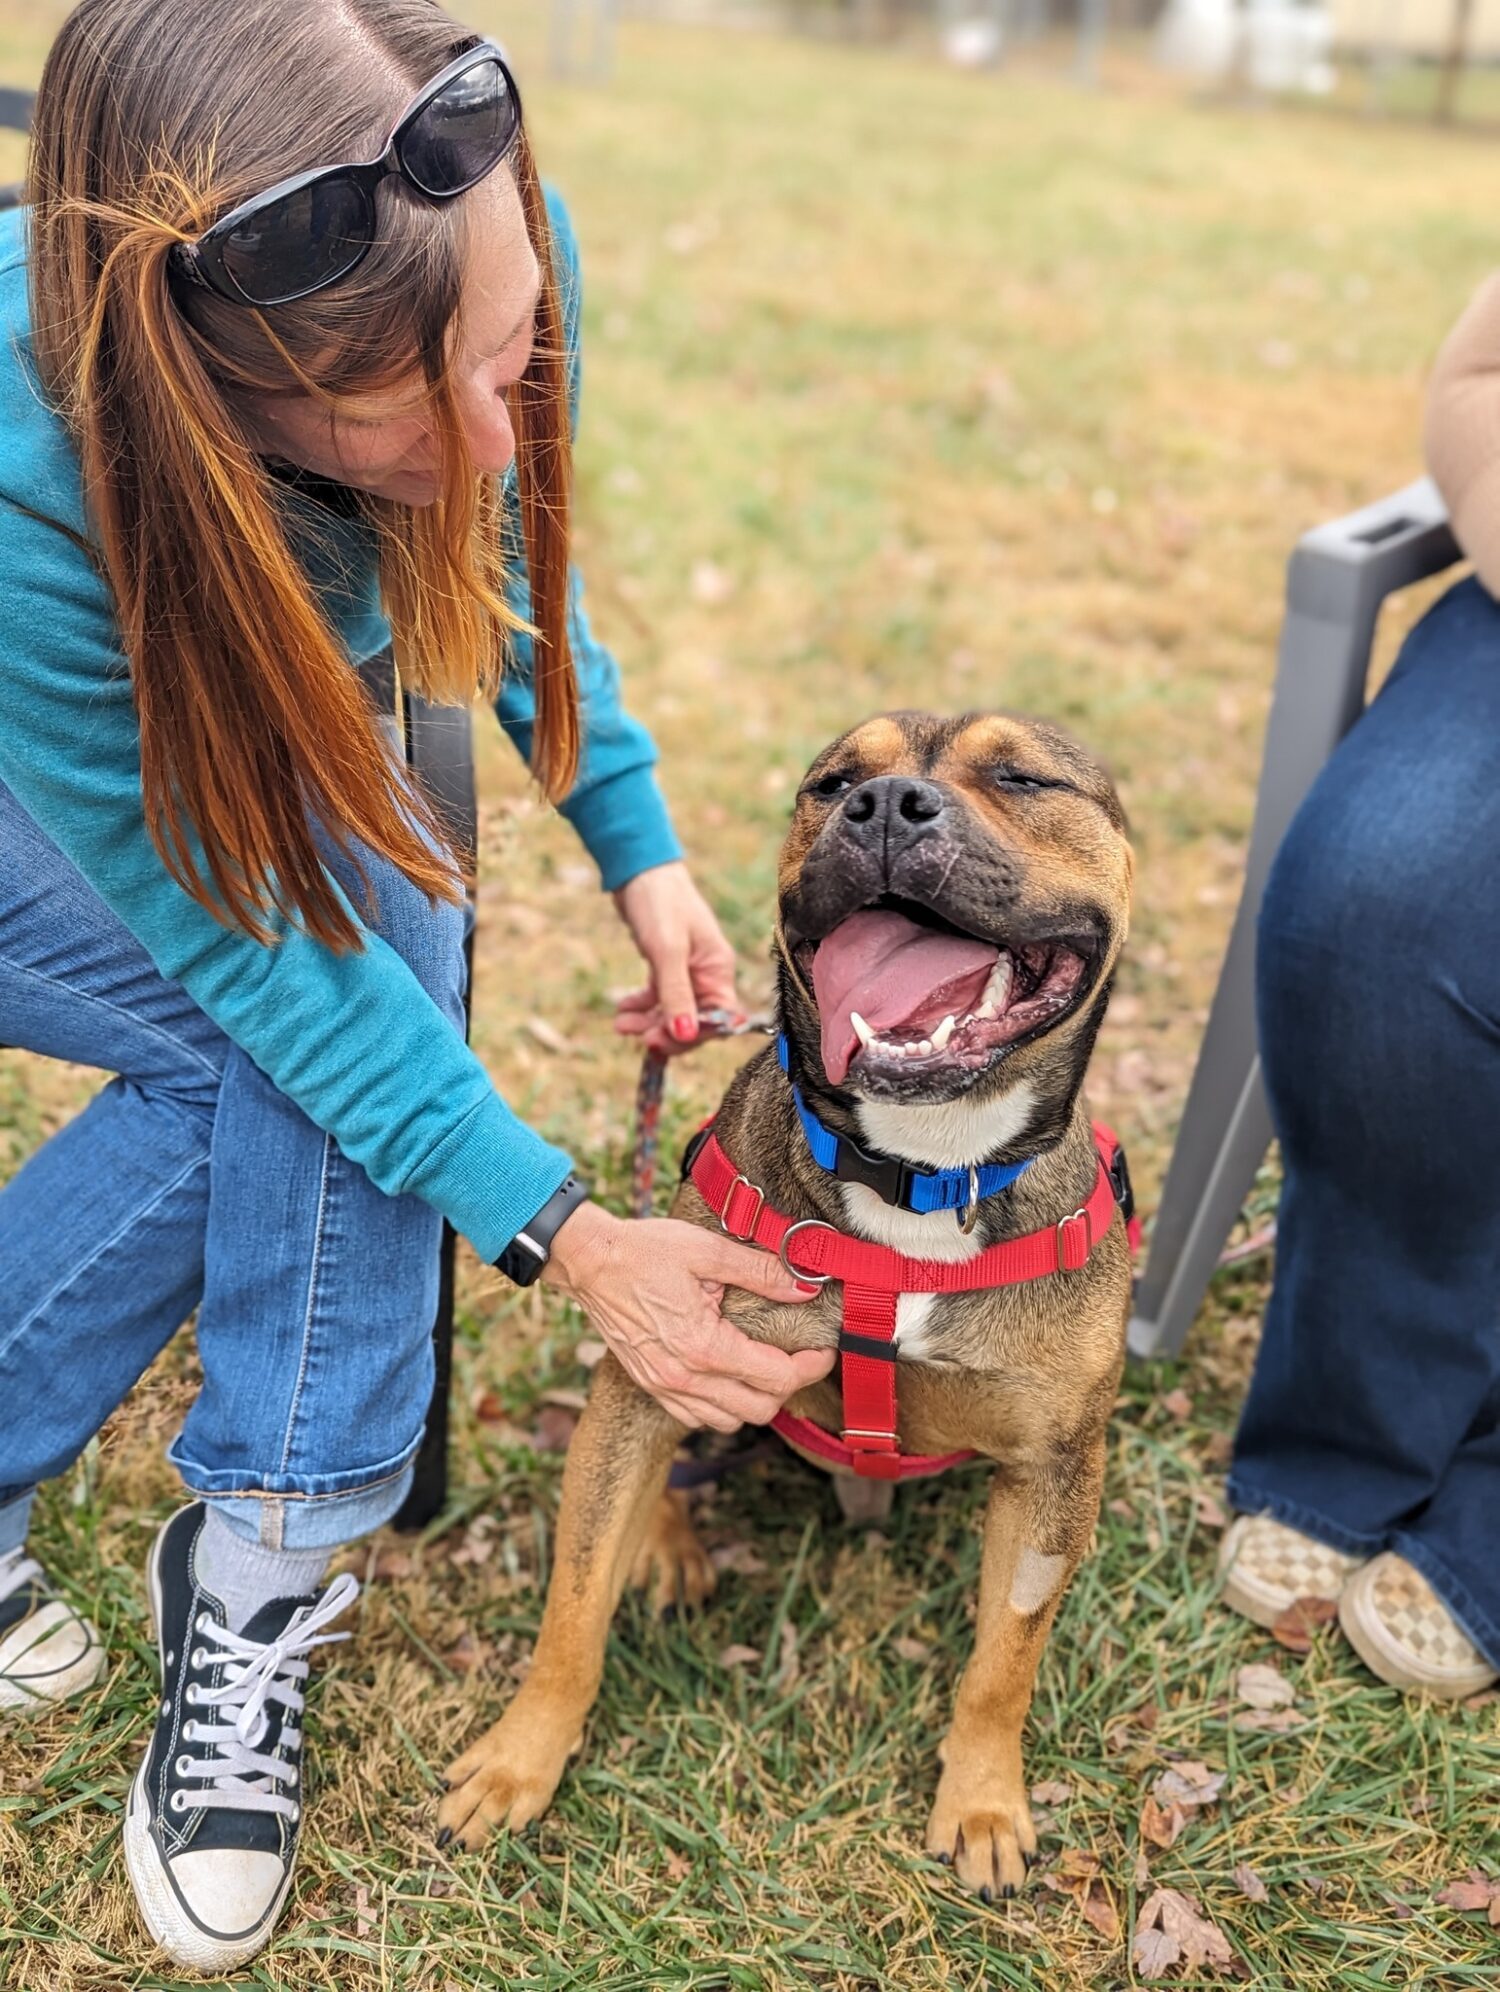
<point>308,232</point>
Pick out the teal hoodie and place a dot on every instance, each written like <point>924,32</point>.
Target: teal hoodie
<point>353,1038</point>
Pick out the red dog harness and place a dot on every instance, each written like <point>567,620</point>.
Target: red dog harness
<point>874,1277</point>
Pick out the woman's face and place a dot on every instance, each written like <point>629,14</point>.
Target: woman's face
<point>385,442</point>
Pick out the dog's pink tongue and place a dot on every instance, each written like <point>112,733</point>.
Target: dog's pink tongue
<point>890,970</point>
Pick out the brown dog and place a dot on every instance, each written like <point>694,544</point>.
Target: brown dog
<point>963,885</point>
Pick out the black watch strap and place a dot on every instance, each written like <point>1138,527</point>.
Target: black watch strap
<point>527,1253</point>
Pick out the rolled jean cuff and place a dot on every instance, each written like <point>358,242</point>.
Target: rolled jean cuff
<point>286,1511</point>
<point>15,1519</point>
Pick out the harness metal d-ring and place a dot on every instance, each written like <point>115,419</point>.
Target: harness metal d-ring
<point>806,1224</point>
<point>968,1213</point>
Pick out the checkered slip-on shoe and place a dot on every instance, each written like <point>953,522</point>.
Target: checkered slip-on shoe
<point>1405,1634</point>
<point>1265,1567</point>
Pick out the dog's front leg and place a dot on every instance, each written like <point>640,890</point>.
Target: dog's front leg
<point>1035,1533</point>
<point>615,1476</point>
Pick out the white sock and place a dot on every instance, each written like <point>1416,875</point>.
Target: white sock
<point>244,1575</point>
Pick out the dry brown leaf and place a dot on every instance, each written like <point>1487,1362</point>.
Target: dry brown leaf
<point>1155,1953</point>
<point>1177,1404</point>
<point>739,1656</point>
<point>554,1428</point>
<point>590,1353</point>
<point>1261,1686</point>
<point>390,1565</point>
<point>1099,1912</point>
<point>1485,1699</point>
<point>790,1666</point>
<point>739,1556</point>
<point>467,1654</point>
<point>678,1866</point>
<point>907,1648</point>
<point>1249,1883</point>
<point>1210,1512</point>
<point>364,1922</point>
<point>1302,1618</point>
<point>1142,1871</point>
<point>1161,1825</point>
<point>1277,1721</point>
<point>1190,1784</point>
<point>1475,1892</point>
<point>549,1037</point>
<point>1078,1864</point>
<point>1200,1941</point>
<point>1052,1793</point>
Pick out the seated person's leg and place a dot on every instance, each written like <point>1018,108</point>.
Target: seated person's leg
<point>1379,999</point>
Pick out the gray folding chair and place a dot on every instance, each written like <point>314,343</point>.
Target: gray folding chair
<point>1338,577</point>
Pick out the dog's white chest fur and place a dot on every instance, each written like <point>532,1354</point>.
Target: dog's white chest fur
<point>952,1135</point>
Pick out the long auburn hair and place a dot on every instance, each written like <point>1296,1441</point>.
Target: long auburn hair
<point>153,118</point>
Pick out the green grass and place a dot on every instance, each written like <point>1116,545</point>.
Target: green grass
<point>973,390</point>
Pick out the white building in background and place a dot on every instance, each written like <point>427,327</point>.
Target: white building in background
<point>1273,45</point>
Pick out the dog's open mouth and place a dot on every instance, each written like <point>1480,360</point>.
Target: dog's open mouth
<point>900,991</point>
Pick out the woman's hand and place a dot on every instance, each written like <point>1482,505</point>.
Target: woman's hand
<point>652,1287</point>
<point>691,964</point>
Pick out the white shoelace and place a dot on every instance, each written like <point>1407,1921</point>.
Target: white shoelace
<point>239,1773</point>
<point>16,1569</point>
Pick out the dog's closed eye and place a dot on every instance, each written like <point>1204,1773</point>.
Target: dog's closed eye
<point>1020,782</point>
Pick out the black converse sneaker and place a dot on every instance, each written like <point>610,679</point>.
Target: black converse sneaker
<point>211,1829</point>
<point>47,1652</point>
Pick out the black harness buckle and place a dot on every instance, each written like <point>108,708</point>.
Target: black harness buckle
<point>1119,1182</point>
<point>886,1175</point>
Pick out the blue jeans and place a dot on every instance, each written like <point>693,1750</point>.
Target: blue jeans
<point>1373,1420</point>
<point>190,1181</point>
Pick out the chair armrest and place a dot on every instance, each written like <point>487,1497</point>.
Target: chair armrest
<point>1342,571</point>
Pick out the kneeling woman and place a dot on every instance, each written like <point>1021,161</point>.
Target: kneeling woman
<point>262,417</point>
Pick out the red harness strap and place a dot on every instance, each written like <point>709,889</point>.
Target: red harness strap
<point>874,1277</point>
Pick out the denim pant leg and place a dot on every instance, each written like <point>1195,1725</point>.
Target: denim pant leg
<point>315,1329</point>
<point>188,1179</point>
<point>101,1231</point>
<point>1371,1418</point>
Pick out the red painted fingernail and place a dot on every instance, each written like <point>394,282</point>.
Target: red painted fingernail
<point>684,1029</point>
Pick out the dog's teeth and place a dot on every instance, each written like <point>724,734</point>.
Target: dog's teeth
<point>943,1032</point>
<point>997,989</point>
<point>986,1013</point>
<point>923,1047</point>
<point>861,1029</point>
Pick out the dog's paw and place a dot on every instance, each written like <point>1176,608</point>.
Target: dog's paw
<point>506,1780</point>
<point>672,1563</point>
<point>984,1832</point>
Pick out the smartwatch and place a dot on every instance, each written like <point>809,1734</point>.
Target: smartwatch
<point>526,1254</point>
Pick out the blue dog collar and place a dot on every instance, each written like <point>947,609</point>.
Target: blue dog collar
<point>893,1180</point>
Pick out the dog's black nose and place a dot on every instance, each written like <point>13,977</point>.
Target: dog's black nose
<point>892,811</point>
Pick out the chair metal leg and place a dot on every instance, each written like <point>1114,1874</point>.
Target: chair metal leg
<point>1337,579</point>
<point>440,751</point>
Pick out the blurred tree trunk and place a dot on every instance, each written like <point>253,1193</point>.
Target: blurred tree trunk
<point>1454,59</point>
